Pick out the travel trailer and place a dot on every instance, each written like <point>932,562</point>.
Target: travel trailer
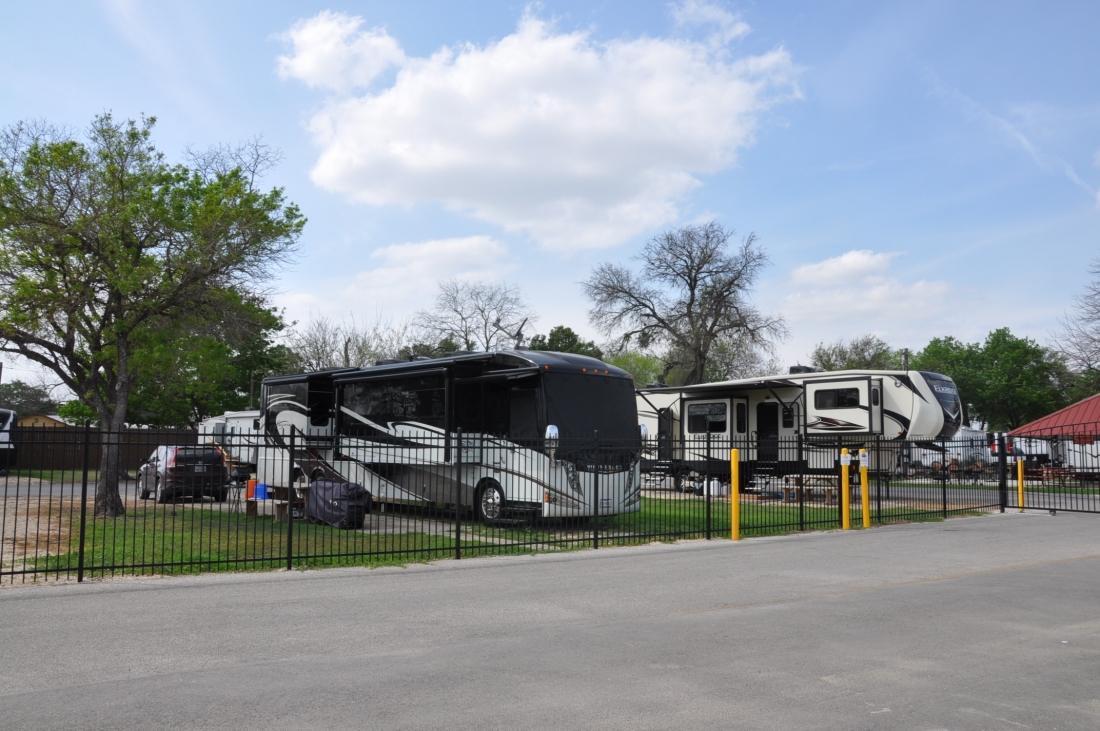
<point>543,434</point>
<point>239,435</point>
<point>793,424</point>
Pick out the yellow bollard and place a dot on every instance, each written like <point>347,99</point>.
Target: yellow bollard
<point>864,493</point>
<point>1020,482</point>
<point>845,491</point>
<point>735,494</point>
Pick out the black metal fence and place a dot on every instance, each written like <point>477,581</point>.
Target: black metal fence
<point>195,502</point>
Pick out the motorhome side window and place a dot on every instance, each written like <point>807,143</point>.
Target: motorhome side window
<point>420,399</point>
<point>837,398</point>
<point>706,417</point>
<point>742,418</point>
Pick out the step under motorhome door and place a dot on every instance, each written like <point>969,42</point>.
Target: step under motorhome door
<point>844,406</point>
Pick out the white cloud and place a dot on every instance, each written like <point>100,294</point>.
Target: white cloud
<point>858,293</point>
<point>860,284</point>
<point>575,142</point>
<point>403,277</point>
<point>332,53</point>
<point>728,26</point>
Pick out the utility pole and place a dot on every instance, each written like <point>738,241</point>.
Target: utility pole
<point>905,359</point>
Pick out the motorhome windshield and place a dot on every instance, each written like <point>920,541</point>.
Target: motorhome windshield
<point>581,404</point>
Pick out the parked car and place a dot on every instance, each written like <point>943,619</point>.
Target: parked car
<point>172,472</point>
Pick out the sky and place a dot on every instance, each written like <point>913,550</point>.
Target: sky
<point>913,169</point>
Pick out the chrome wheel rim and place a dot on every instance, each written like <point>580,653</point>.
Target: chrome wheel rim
<point>491,503</point>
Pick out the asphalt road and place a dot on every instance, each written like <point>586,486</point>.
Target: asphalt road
<point>977,623</point>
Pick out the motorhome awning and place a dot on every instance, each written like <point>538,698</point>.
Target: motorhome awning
<point>748,384</point>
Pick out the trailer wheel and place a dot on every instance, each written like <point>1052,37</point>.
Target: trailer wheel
<point>490,503</point>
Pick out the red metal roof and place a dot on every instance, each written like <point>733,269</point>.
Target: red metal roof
<point>1082,417</point>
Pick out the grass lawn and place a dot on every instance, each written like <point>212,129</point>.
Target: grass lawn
<point>68,477</point>
<point>186,539</point>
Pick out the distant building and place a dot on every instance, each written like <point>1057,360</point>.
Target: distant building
<point>40,420</point>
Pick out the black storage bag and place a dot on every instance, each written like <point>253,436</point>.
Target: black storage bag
<point>339,504</point>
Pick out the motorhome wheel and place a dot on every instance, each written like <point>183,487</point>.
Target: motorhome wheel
<point>490,503</point>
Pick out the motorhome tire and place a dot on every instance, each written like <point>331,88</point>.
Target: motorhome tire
<point>490,503</point>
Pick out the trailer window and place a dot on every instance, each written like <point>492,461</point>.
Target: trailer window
<point>703,418</point>
<point>742,418</point>
<point>837,398</point>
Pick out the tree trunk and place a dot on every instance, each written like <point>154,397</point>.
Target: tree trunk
<point>108,502</point>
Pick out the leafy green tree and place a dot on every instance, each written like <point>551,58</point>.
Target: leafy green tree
<point>25,399</point>
<point>645,369</point>
<point>103,244</point>
<point>1021,380</point>
<point>75,412</point>
<point>201,367</point>
<point>868,352</point>
<point>961,362</point>
<point>562,339</point>
<point>1004,382</point>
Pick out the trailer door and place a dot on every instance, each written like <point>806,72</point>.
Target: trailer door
<point>841,406</point>
<point>703,418</point>
<point>877,423</point>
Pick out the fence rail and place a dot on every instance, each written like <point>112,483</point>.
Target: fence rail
<point>455,496</point>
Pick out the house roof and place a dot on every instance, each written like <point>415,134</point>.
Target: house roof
<point>1082,418</point>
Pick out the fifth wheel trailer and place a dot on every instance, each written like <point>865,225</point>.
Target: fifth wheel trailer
<point>794,423</point>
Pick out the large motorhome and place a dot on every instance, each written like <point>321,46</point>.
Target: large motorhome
<point>543,434</point>
<point>792,424</point>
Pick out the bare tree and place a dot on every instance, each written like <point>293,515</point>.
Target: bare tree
<point>690,294</point>
<point>868,352</point>
<point>1079,338</point>
<point>321,343</point>
<point>476,315</point>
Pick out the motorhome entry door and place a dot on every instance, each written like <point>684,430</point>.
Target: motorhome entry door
<point>844,406</point>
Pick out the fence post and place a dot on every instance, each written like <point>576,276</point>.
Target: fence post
<point>83,503</point>
<point>845,490</point>
<point>1002,471</point>
<point>735,494</point>
<point>878,477</point>
<point>290,503</point>
<point>458,496</point>
<point>706,485</point>
<point>596,492</point>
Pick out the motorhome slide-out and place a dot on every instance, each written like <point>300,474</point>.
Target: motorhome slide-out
<point>783,421</point>
<point>543,433</point>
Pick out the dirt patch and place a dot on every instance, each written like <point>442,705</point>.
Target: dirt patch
<point>34,527</point>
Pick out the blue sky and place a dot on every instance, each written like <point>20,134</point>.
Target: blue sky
<point>913,169</point>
